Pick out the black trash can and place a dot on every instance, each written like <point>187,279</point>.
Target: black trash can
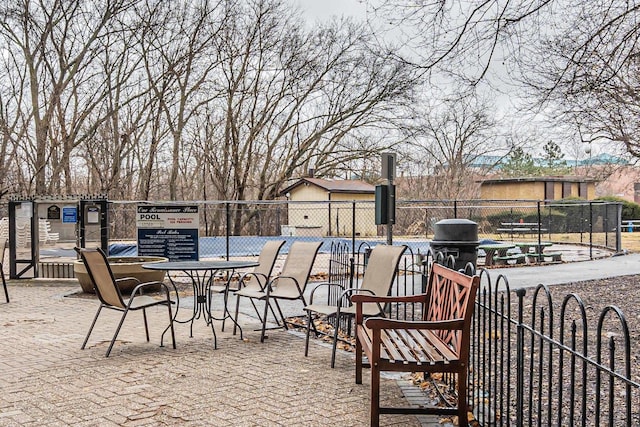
<point>457,237</point>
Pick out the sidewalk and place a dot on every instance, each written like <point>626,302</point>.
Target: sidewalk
<point>557,274</point>
<point>48,380</point>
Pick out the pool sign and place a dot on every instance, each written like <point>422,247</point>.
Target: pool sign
<point>168,231</point>
<point>69,214</point>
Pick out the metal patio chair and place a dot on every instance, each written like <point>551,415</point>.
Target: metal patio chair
<point>254,281</point>
<point>105,284</point>
<point>289,285</point>
<point>377,280</point>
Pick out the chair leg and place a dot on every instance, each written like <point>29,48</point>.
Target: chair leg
<point>4,283</point>
<point>306,343</point>
<point>146,325</point>
<point>463,421</point>
<point>91,327</point>
<point>264,319</point>
<point>115,335</point>
<point>358,360</point>
<point>235,324</point>
<point>375,396</point>
<point>284,320</point>
<point>335,341</point>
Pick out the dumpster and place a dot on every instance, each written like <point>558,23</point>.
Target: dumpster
<point>456,237</point>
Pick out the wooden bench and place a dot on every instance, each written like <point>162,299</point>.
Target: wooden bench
<point>437,343</point>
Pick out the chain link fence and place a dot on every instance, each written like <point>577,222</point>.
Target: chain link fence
<point>239,228</point>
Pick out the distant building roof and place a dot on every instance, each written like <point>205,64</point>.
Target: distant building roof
<point>566,178</point>
<point>335,186</point>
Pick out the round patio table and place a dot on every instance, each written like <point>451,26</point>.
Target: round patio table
<point>202,274</point>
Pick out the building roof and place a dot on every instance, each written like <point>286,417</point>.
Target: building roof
<point>565,178</point>
<point>335,186</point>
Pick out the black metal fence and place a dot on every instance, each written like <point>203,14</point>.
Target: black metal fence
<point>539,362</point>
<point>538,358</point>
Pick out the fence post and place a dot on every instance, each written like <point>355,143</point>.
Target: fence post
<point>590,230</point>
<point>540,229</point>
<point>353,227</point>
<point>520,361</point>
<point>228,214</point>
<point>618,228</point>
<point>455,209</point>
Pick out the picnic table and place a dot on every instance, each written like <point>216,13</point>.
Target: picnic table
<point>520,228</point>
<point>535,247</point>
<point>535,251</point>
<point>495,250</point>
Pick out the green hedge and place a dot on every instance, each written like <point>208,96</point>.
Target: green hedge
<point>630,210</point>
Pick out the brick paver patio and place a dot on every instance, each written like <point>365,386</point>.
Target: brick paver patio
<point>48,381</point>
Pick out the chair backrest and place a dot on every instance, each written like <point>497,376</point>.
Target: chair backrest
<point>266,261</point>
<point>451,295</point>
<point>97,265</point>
<point>298,265</point>
<point>380,272</point>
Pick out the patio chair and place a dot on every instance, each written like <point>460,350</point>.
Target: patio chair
<point>377,280</point>
<point>289,285</point>
<point>95,260</point>
<point>4,282</point>
<point>254,280</point>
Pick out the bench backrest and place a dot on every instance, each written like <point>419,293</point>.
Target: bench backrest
<point>451,296</point>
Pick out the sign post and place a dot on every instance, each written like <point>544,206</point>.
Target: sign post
<point>389,173</point>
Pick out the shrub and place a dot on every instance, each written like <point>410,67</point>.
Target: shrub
<point>630,210</point>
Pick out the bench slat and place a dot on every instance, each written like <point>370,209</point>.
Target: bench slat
<point>392,345</point>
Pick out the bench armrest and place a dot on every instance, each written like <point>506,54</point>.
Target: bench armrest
<point>362,298</point>
<point>383,323</point>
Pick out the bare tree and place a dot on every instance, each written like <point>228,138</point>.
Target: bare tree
<point>586,68</point>
<point>448,140</point>
<point>294,97</point>
<point>177,42</point>
<point>56,42</point>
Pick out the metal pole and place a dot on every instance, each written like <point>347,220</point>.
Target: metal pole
<point>353,228</point>
<point>520,361</point>
<point>590,230</point>
<point>618,229</point>
<point>540,230</point>
<point>391,212</point>
<point>228,212</point>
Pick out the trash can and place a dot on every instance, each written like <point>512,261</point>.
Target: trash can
<point>457,237</point>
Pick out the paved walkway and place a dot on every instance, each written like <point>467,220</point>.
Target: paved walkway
<point>556,274</point>
<point>48,381</point>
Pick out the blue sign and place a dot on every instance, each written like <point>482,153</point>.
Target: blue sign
<point>70,214</point>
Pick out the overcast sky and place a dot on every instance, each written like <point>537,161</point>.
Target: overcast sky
<point>325,9</point>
